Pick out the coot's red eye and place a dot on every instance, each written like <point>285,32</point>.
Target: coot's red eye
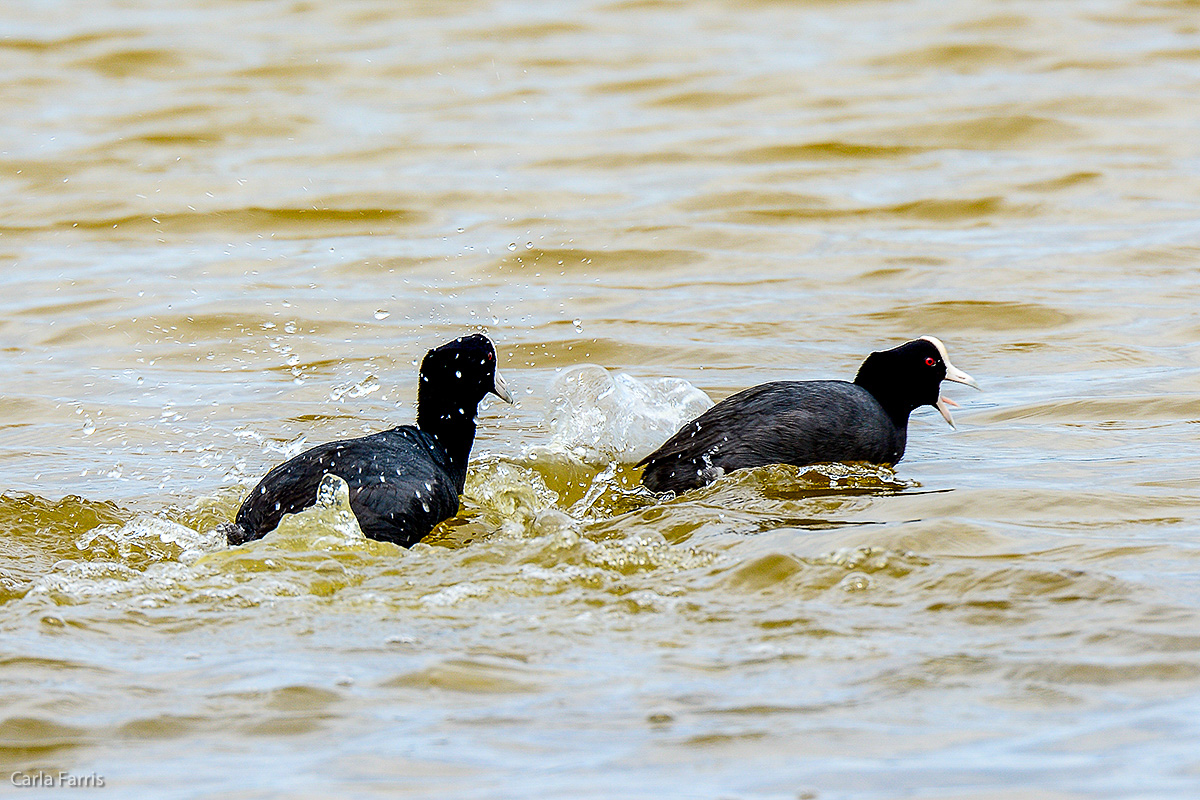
<point>929,362</point>
<point>490,357</point>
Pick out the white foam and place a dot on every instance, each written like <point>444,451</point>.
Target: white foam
<point>506,496</point>
<point>452,595</point>
<point>599,416</point>
<point>146,539</point>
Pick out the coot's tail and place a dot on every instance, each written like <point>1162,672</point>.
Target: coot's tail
<point>236,533</point>
<point>678,474</point>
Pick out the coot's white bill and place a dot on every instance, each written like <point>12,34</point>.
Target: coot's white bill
<point>500,388</point>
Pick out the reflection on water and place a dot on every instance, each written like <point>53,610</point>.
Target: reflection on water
<point>231,230</point>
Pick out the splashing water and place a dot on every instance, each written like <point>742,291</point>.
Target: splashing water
<point>330,522</point>
<point>147,539</point>
<point>506,495</point>
<point>601,417</point>
<point>355,390</point>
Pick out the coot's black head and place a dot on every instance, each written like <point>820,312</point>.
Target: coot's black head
<point>455,377</point>
<point>909,376</point>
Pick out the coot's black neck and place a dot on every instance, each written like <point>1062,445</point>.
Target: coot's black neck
<point>882,387</point>
<point>451,422</point>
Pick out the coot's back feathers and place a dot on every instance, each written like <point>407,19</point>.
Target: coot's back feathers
<point>402,481</point>
<point>775,423</point>
<point>808,422</point>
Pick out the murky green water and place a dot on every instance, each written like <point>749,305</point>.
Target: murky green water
<point>229,230</point>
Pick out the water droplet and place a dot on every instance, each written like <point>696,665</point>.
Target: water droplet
<point>512,245</point>
<point>362,388</point>
<point>855,582</point>
<point>578,323</point>
<point>381,314</point>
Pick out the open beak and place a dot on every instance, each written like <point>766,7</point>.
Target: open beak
<point>500,389</point>
<point>941,406</point>
<point>955,374</point>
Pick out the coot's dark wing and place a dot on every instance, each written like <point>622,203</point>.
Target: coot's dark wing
<point>785,422</point>
<point>400,482</point>
<point>287,489</point>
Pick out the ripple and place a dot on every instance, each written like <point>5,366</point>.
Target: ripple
<point>68,44</point>
<point>571,260</point>
<point>703,100</point>
<point>35,736</point>
<point>765,571</point>
<point>823,151</point>
<point>946,210</point>
<point>1120,411</point>
<point>985,133</point>
<point>959,56</point>
<point>295,222</point>
<point>1068,181</point>
<point>139,62</point>
<point>983,315</point>
<point>468,676</point>
<point>163,726</point>
<point>1082,673</point>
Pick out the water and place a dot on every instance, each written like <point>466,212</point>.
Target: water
<point>230,230</point>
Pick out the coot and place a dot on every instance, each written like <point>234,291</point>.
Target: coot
<point>807,422</point>
<point>403,481</point>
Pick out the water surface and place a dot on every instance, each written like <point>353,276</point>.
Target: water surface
<point>230,230</point>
